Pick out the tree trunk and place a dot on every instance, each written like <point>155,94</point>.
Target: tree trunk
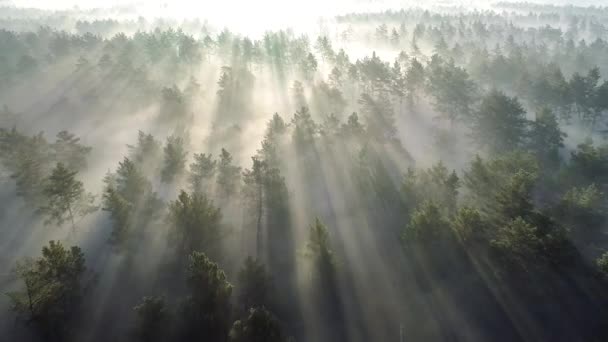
<point>71,218</point>
<point>29,298</point>
<point>259,224</point>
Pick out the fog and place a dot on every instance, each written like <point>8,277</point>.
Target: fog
<point>393,170</point>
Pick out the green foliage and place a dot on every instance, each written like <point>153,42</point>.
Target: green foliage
<point>201,172</point>
<point>129,181</point>
<point>273,138</point>
<point>28,175</point>
<point>500,124</point>
<point>398,85</point>
<point>534,242</point>
<point>254,193</point>
<point>27,160</point>
<point>52,291</point>
<point>602,263</point>
<point>324,48</point>
<point>228,176</point>
<point>68,150</point>
<point>379,117</point>
<point>205,314</point>
<point>259,326</point>
<point>582,209</point>
<point>426,225</point>
<point>265,195</point>
<point>129,199</point>
<point>253,290</point>
<point>308,66</point>
<point>451,88</point>
<point>503,240</point>
<point>546,139</point>
<point>375,74</point>
<point>469,225</point>
<point>485,179</point>
<point>120,214</point>
<point>589,164</point>
<point>235,86</point>
<point>327,99</point>
<point>147,152</point>
<point>153,320</point>
<point>519,242</point>
<point>299,95</point>
<point>414,80</point>
<point>65,197</point>
<point>550,88</point>
<point>582,90</point>
<point>515,197</point>
<point>319,251</point>
<point>174,163</point>
<point>173,106</point>
<point>435,184</point>
<point>304,129</point>
<point>352,128</point>
<point>195,222</point>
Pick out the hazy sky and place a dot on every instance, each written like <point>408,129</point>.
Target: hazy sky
<point>260,15</point>
<point>299,4</point>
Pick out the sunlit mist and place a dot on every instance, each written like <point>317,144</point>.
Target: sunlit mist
<point>350,170</point>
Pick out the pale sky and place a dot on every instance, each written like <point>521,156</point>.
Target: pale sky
<point>303,7</point>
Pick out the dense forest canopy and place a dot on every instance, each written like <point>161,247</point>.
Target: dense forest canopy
<point>377,173</point>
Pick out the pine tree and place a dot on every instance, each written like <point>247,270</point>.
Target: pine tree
<point>52,291</point>
<point>201,171</point>
<point>65,197</point>
<point>174,159</point>
<point>205,314</point>
<point>195,221</point>
<point>228,176</point>
<point>259,326</point>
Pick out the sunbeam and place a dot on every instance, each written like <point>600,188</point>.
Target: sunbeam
<point>350,170</point>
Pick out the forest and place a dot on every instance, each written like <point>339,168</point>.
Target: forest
<point>434,172</point>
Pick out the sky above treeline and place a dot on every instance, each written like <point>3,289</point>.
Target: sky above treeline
<point>272,14</point>
<point>293,5</point>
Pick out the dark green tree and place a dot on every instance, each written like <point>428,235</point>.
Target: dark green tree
<point>500,124</point>
<point>173,106</point>
<point>174,163</point>
<point>518,242</point>
<point>588,164</point>
<point>602,263</point>
<point>129,199</point>
<point>582,210</point>
<point>254,191</point>
<point>254,288</point>
<point>452,90</point>
<point>426,225</point>
<point>52,290</point>
<point>298,93</point>
<point>195,222</point>
<point>379,117</point>
<point>318,249</point>
<point>68,150</point>
<point>153,320</point>
<point>469,226</point>
<point>304,129</point>
<point>436,184</point>
<point>259,326</point>
<point>546,139</point>
<point>205,314</point>
<point>147,153</point>
<point>65,197</point>
<point>228,176</point>
<point>201,172</point>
